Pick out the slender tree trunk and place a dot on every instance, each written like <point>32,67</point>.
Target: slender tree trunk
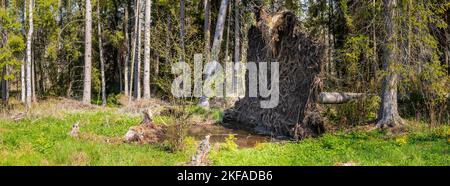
<point>33,79</point>
<point>409,34</point>
<point>182,29</point>
<point>204,101</point>
<point>374,39</point>
<point>121,55</point>
<point>28,63</point>
<point>5,88</point>
<point>23,83</point>
<point>148,20</point>
<point>87,54</point>
<point>137,73</point>
<point>169,36</point>
<point>227,45</point>
<point>100,49</point>
<point>133,53</point>
<point>157,66</point>
<point>388,114</point>
<point>207,29</point>
<point>447,52</point>
<point>237,40</point>
<point>22,67</point>
<point>331,49</point>
<point>447,43</point>
<point>127,55</point>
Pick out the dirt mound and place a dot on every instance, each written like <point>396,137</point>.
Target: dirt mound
<point>277,38</point>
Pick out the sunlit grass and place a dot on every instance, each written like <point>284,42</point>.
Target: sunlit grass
<point>44,140</point>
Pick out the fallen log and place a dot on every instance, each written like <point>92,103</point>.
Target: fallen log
<point>345,97</point>
<point>338,97</point>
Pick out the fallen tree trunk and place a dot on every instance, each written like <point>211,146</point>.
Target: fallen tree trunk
<point>338,97</point>
<point>345,97</point>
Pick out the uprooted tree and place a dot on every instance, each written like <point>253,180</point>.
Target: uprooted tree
<point>277,37</point>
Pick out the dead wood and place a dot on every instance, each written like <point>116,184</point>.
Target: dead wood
<point>147,132</point>
<point>338,97</point>
<point>201,155</point>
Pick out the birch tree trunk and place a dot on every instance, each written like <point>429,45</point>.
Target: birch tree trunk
<point>388,115</point>
<point>22,80</point>
<point>28,63</point>
<point>87,54</point>
<point>22,67</point>
<point>127,55</point>
<point>204,101</point>
<point>148,20</point>
<point>102,61</point>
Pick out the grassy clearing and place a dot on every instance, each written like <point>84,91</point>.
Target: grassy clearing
<point>44,140</point>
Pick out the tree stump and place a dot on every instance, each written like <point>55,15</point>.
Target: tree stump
<point>147,132</point>
<point>277,38</point>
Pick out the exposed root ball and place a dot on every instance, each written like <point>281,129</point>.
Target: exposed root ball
<point>277,38</point>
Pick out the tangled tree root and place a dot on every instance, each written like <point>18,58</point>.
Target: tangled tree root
<point>277,38</point>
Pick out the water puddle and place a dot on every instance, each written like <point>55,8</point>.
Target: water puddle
<point>219,133</point>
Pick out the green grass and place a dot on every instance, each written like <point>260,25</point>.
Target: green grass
<point>45,141</point>
<point>361,148</point>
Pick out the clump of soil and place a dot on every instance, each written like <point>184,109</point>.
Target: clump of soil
<point>278,38</point>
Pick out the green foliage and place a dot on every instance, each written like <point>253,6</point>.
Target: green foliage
<point>11,42</point>
<point>355,112</point>
<point>230,143</point>
<point>45,141</point>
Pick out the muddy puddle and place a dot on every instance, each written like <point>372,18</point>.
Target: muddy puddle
<point>219,133</point>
